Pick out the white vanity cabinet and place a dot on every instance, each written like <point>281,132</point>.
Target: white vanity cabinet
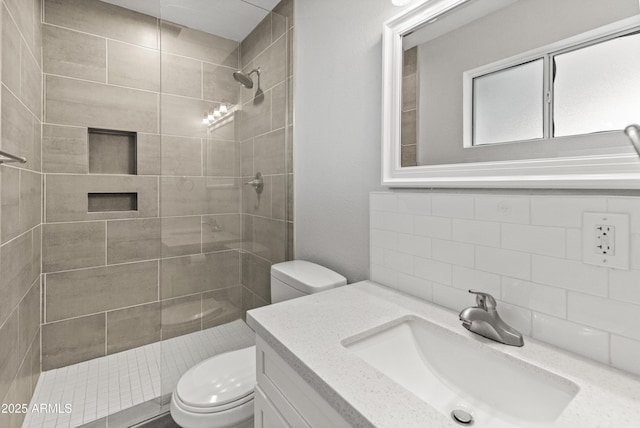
<point>284,399</point>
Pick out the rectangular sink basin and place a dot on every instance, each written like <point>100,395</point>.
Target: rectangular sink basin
<point>453,372</point>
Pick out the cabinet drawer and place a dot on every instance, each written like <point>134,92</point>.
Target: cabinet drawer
<point>265,414</point>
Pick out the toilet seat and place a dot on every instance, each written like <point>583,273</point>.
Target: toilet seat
<point>217,392</point>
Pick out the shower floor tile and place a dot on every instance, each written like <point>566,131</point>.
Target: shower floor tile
<point>108,385</point>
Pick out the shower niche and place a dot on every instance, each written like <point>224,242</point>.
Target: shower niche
<point>112,152</point>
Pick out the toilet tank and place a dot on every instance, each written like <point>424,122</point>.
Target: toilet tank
<point>298,278</point>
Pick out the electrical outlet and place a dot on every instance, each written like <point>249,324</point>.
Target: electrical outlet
<point>605,240</point>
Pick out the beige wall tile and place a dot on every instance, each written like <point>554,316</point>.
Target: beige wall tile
<point>181,76</point>
<point>278,196</point>
<point>180,196</point>
<point>255,118</point>
<point>278,25</point>
<point>219,84</point>
<point>8,353</point>
<point>24,14</point>
<point>29,319</point>
<point>80,103</point>
<point>73,245</point>
<point>133,240</point>
<point>222,158</point>
<point>248,300</point>
<point>246,158</point>
<point>197,44</point>
<point>133,66</point>
<point>221,232</point>
<point>257,41</point>
<point>285,8</point>
<point>256,275</point>
<point>279,105</point>
<point>30,199</point>
<point>149,154</point>
<point>36,252</point>
<point>18,128</point>
<point>67,196</point>
<point>409,128</point>
<point>64,149</point>
<point>183,116</point>
<point>87,291</point>
<point>132,327</point>
<point>103,19</point>
<point>17,273</point>
<point>181,236</point>
<point>181,316</point>
<point>181,156</point>
<point>221,306</point>
<point>10,52</point>
<point>269,237</point>
<point>269,152</point>
<point>10,202</point>
<point>273,64</point>
<point>71,341</point>
<point>35,361</point>
<point>410,61</point>
<point>73,54</point>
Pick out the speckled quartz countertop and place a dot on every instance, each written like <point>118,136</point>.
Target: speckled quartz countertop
<point>307,333</point>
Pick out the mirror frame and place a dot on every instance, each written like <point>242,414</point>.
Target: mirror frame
<point>615,171</point>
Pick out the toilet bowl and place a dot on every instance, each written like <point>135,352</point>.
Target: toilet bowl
<point>218,392</point>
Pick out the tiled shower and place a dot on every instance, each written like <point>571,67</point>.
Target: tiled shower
<point>130,224</point>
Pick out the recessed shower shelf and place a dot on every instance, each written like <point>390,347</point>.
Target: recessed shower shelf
<point>112,152</point>
<point>109,202</point>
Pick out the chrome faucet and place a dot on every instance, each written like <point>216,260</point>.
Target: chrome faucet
<point>484,320</point>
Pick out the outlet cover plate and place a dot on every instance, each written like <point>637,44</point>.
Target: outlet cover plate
<point>619,259</point>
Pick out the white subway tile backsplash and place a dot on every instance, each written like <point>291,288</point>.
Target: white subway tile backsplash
<point>541,298</point>
<point>625,354</point>
<point>563,211</point>
<point>471,279</point>
<point>476,232</point>
<point>570,274</point>
<point>524,250</point>
<point>383,202</point>
<point>435,227</point>
<point>548,241</point>
<point>576,338</point>
<point>452,298</point>
<point>624,285</point>
<point>453,252</point>
<point>504,262</point>
<point>418,204</point>
<point>415,286</point>
<point>416,245</point>
<point>629,206</point>
<point>400,262</point>
<point>433,270</point>
<point>503,209</point>
<point>605,314</point>
<point>454,206</point>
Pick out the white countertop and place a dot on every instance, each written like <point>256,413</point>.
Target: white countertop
<point>307,332</point>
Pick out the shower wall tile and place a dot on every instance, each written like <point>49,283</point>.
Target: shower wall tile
<point>256,275</point>
<point>149,154</point>
<point>72,341</point>
<point>181,316</point>
<point>269,239</point>
<point>285,8</point>
<point>181,76</point>
<point>255,117</point>
<point>87,291</point>
<point>10,52</point>
<point>103,19</point>
<point>18,131</point>
<point>181,236</point>
<point>17,272</point>
<point>273,64</point>
<point>24,14</point>
<point>74,54</point>
<point>80,103</point>
<point>269,150</point>
<point>133,66</point>
<point>67,196</point>
<point>221,306</point>
<point>246,158</point>
<point>222,158</point>
<point>219,84</point>
<point>278,106</point>
<point>256,42</point>
<point>73,245</point>
<point>133,240</point>
<point>132,327</point>
<point>9,203</point>
<point>30,199</point>
<point>29,318</point>
<point>199,45</point>
<point>278,25</point>
<point>8,352</point>
<point>64,149</point>
<point>183,116</point>
<point>278,196</point>
<point>30,82</point>
<point>181,156</point>
<point>221,232</point>
<point>182,196</point>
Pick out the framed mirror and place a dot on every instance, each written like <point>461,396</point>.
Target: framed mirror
<point>511,94</point>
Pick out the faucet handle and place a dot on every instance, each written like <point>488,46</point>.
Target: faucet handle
<point>484,300</point>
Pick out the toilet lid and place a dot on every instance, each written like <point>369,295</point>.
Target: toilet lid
<point>219,380</point>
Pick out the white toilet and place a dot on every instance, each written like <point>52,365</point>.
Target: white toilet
<point>218,392</point>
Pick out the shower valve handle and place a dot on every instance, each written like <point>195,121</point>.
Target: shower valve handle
<point>257,183</point>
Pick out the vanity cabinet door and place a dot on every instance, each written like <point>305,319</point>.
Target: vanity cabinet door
<point>265,414</point>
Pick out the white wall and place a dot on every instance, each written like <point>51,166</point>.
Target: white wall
<point>338,66</point>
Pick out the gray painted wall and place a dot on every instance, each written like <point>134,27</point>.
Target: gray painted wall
<point>337,114</point>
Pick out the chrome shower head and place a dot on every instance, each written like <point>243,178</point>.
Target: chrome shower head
<point>633,132</point>
<point>245,79</point>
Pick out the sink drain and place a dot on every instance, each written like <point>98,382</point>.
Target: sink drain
<point>462,417</point>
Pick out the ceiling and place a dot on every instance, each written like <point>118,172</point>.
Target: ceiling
<point>232,19</point>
